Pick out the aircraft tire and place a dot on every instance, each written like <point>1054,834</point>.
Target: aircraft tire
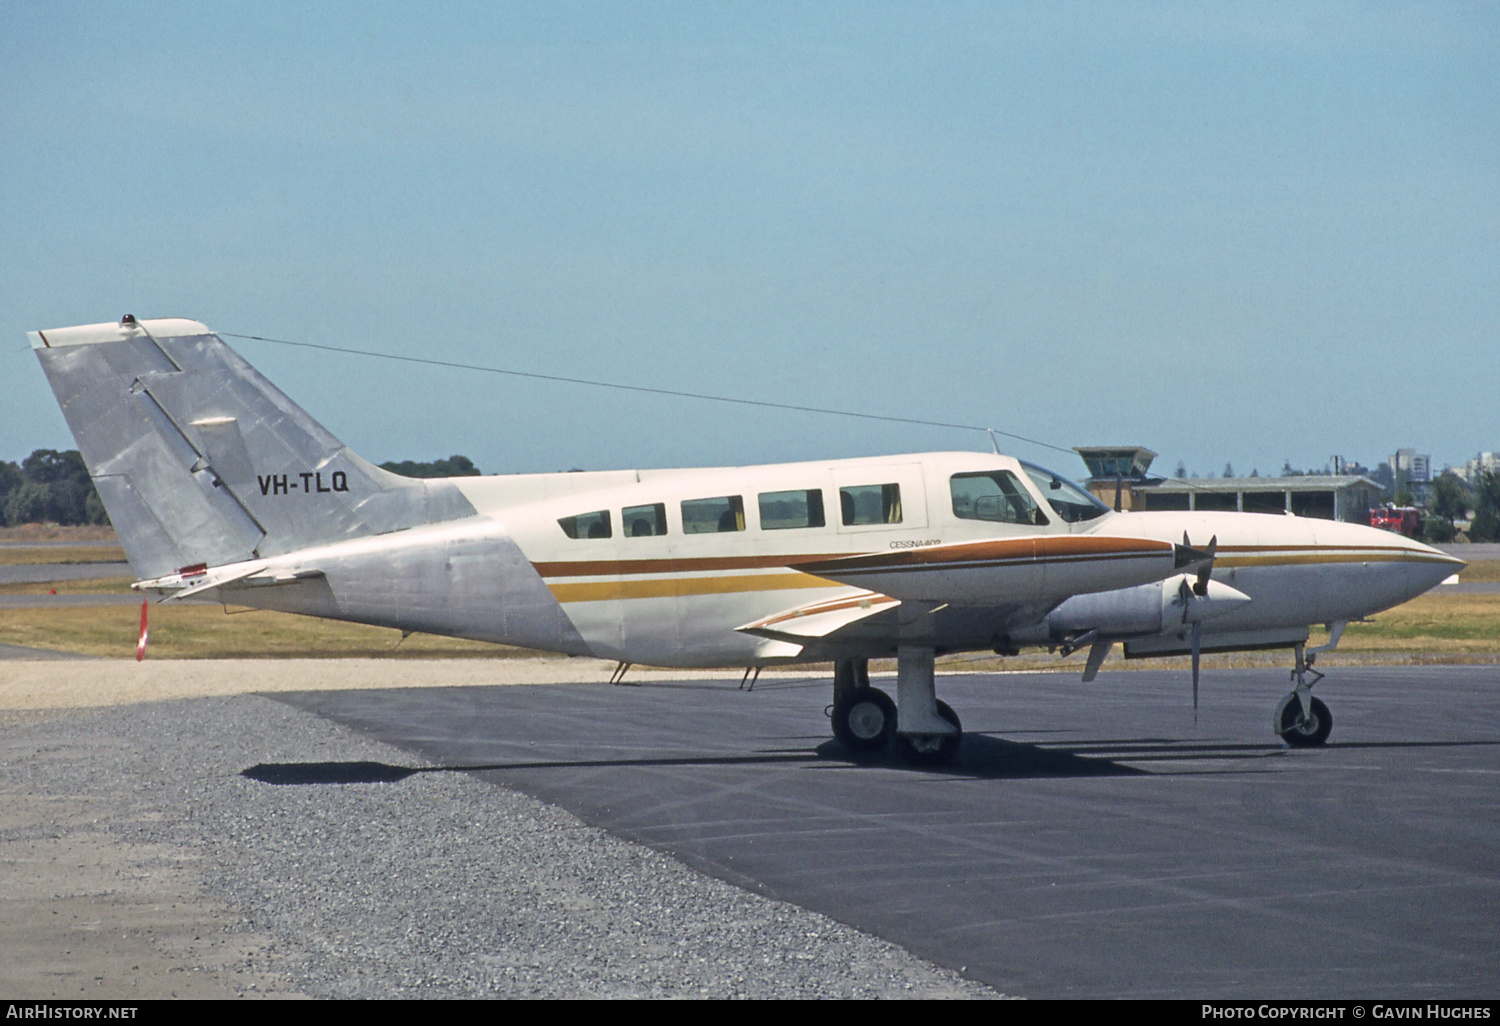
<point>865,720</point>
<point>932,749</point>
<point>1309,734</point>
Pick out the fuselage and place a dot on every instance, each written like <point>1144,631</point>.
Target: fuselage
<point>664,566</point>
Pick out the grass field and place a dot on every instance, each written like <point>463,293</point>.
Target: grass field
<point>62,554</point>
<point>208,632</point>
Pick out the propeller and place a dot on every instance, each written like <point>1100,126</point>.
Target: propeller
<point>1197,641</point>
<point>1200,589</point>
<point>1200,586</point>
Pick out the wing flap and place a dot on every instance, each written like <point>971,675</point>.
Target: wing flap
<point>820,620</point>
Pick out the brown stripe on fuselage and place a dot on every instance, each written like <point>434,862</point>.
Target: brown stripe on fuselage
<point>621,567</point>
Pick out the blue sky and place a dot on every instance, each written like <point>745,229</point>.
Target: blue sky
<point>1231,233</point>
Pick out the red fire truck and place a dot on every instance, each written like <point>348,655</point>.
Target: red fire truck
<point>1405,520</point>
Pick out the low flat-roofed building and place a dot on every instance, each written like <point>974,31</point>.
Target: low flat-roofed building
<point>1346,497</point>
<point>1118,478</point>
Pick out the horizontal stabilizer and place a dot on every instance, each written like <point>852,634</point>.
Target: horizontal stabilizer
<point>192,581</point>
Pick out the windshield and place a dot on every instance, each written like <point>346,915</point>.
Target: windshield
<point>1071,502</point>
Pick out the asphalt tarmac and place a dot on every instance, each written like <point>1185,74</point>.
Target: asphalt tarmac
<point>1090,841</point>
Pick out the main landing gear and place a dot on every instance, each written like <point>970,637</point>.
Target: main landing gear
<point>865,719</point>
<point>1301,720</point>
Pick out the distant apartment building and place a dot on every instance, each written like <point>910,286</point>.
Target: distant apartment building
<point>1415,467</point>
<point>1485,462</point>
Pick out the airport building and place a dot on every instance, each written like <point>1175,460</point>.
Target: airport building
<point>1123,471</point>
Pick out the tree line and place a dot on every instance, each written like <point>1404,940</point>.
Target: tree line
<point>49,486</point>
<point>1452,499</point>
<point>55,487</point>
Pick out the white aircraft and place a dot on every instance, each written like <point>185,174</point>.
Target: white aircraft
<point>219,485</point>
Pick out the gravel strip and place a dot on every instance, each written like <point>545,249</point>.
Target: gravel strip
<point>432,885</point>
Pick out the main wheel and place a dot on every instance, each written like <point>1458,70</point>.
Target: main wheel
<point>1304,731</point>
<point>864,720</point>
<point>932,749</point>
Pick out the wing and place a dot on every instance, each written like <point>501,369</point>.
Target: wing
<point>868,623</point>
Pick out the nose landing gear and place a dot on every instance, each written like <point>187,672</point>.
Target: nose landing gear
<point>1301,720</point>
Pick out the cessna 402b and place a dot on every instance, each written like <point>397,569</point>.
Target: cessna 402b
<point>220,486</point>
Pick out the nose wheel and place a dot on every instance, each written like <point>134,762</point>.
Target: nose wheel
<point>1303,729</point>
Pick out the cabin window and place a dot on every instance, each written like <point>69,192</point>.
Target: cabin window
<point>586,525</point>
<point>644,521</point>
<point>782,510</point>
<point>870,504</point>
<point>994,495</point>
<point>713,516</point>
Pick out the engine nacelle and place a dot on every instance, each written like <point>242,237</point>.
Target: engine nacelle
<point>1133,612</point>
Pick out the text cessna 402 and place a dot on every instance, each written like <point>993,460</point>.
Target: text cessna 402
<point>220,486</point>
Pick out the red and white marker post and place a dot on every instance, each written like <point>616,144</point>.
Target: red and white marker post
<point>140,646</point>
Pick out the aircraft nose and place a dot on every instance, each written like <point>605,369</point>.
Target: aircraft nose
<point>1428,567</point>
<point>1421,567</point>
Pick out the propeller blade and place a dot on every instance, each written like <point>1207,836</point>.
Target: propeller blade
<point>1096,659</point>
<point>1197,642</point>
<point>1185,556</point>
<point>1200,587</point>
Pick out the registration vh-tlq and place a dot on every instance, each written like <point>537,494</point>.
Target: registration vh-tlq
<point>220,486</point>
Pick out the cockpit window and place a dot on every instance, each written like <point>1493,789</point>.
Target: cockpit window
<point>994,495</point>
<point>1071,502</point>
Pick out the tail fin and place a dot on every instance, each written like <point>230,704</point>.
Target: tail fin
<point>201,460</point>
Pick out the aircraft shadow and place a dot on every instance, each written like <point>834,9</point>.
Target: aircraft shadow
<point>991,758</point>
<point>329,772</point>
<point>384,773</point>
<point>981,757</point>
